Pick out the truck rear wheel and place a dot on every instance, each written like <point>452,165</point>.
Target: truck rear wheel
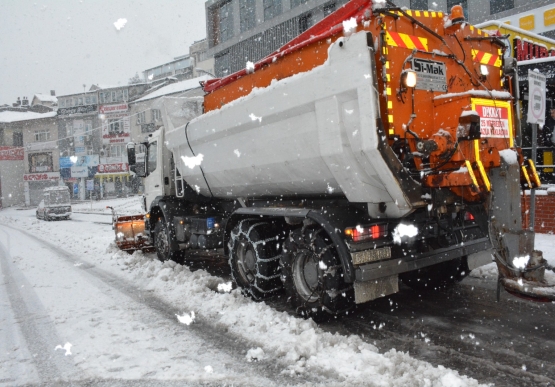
<point>313,275</point>
<point>253,258</point>
<point>162,243</point>
<point>441,275</point>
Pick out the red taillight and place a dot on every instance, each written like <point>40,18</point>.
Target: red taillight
<point>363,233</point>
<point>468,216</point>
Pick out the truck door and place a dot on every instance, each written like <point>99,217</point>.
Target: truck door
<point>154,186</point>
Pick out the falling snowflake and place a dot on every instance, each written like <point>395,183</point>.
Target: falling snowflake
<point>120,23</point>
<point>254,118</point>
<point>186,318</point>
<point>67,347</point>
<point>192,162</point>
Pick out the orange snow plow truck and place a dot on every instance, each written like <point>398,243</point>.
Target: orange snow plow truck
<point>380,145</point>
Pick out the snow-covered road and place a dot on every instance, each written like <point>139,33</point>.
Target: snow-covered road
<point>75,309</point>
<point>114,329</point>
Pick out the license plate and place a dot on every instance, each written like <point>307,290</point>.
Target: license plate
<point>374,255</point>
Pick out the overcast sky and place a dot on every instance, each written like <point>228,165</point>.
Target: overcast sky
<point>62,44</point>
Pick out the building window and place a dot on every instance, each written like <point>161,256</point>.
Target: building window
<point>462,3</point>
<point>114,126</point>
<point>247,18</point>
<point>496,6</point>
<point>296,3</point>
<point>62,103</point>
<point>117,150</point>
<point>329,9</point>
<point>112,96</point>
<point>17,139</point>
<point>88,127</point>
<point>141,118</point>
<point>272,8</point>
<point>40,162</point>
<point>222,21</point>
<point>419,4</point>
<point>156,115</point>
<point>93,99</point>
<point>42,135</point>
<point>305,22</point>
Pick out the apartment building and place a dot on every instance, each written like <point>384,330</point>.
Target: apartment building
<point>248,30</point>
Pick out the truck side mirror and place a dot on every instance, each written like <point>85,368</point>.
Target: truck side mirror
<point>131,159</point>
<point>137,167</point>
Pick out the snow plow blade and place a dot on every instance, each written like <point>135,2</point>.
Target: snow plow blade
<point>521,268</point>
<point>130,232</point>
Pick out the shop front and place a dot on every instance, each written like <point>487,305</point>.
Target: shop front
<point>35,183</point>
<point>113,180</point>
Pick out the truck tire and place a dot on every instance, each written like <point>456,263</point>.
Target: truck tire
<point>441,275</point>
<point>162,243</point>
<point>254,259</point>
<point>313,275</point>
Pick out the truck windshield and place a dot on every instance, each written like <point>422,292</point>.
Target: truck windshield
<point>57,197</point>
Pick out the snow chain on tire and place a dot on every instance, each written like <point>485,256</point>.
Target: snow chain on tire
<point>313,276</point>
<point>254,258</point>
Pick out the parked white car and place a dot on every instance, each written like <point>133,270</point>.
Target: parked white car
<point>55,205</point>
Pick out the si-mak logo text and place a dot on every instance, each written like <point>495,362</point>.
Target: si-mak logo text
<point>429,67</point>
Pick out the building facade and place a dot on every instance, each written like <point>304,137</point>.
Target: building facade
<point>28,153</point>
<point>79,128</point>
<point>12,156</point>
<point>248,30</point>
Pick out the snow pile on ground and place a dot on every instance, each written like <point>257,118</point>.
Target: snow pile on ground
<point>123,206</point>
<point>300,346</point>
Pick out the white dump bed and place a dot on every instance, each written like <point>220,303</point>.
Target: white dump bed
<point>312,133</point>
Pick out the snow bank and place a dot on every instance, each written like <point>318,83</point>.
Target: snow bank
<point>300,345</point>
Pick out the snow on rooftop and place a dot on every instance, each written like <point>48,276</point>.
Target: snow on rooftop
<point>536,61</point>
<point>11,116</point>
<point>46,97</point>
<point>175,88</point>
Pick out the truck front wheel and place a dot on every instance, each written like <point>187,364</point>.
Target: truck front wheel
<point>253,258</point>
<point>162,243</point>
<point>313,275</point>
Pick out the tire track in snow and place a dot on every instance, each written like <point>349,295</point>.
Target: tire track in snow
<point>216,338</point>
<point>33,320</point>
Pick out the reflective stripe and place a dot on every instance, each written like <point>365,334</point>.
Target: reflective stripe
<point>395,39</point>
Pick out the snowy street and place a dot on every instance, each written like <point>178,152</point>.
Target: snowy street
<point>77,311</point>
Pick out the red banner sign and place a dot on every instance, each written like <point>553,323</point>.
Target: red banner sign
<point>11,153</point>
<point>41,176</point>
<point>113,168</point>
<point>123,107</point>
